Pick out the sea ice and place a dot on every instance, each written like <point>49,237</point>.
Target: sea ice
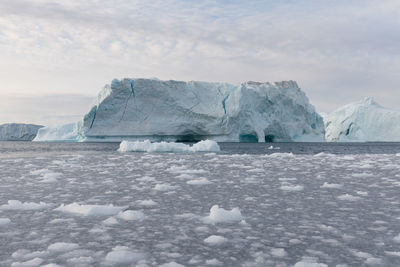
<point>4,221</point>
<point>90,210</point>
<point>215,240</point>
<point>62,247</point>
<point>18,205</point>
<point>147,203</point>
<point>348,197</point>
<point>171,264</point>
<point>164,187</point>
<point>31,263</point>
<point>220,215</point>
<point>147,146</point>
<point>309,262</point>
<point>328,185</point>
<point>123,255</point>
<point>278,252</point>
<point>110,221</point>
<point>292,187</point>
<point>200,181</point>
<point>131,215</point>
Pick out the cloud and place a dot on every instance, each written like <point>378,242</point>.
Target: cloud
<point>338,51</point>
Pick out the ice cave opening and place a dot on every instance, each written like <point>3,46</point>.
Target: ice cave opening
<point>269,138</point>
<point>248,138</point>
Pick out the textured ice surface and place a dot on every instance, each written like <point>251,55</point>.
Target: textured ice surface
<point>357,223</point>
<point>147,146</point>
<point>66,132</point>
<point>18,131</point>
<point>363,121</point>
<point>139,109</point>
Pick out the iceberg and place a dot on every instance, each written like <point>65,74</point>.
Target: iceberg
<point>141,109</point>
<point>18,131</point>
<point>363,121</point>
<point>67,132</point>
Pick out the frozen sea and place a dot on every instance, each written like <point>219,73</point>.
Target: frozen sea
<point>293,204</point>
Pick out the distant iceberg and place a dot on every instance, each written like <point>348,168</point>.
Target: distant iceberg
<point>18,131</point>
<point>363,121</point>
<point>141,109</point>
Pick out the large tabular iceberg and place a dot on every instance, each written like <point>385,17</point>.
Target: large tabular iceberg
<point>18,131</point>
<point>363,121</point>
<point>139,109</point>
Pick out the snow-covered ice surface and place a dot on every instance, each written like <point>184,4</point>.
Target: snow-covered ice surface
<point>252,206</point>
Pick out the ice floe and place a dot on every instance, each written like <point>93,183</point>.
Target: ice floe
<point>4,221</point>
<point>220,215</point>
<point>123,255</point>
<point>18,205</point>
<point>215,240</point>
<point>131,215</point>
<point>200,181</point>
<point>90,210</point>
<point>62,247</point>
<point>147,146</point>
<point>328,185</point>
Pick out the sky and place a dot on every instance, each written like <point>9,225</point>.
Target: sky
<point>55,56</point>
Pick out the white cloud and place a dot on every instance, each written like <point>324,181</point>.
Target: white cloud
<point>338,51</point>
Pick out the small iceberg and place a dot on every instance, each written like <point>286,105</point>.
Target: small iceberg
<point>147,146</point>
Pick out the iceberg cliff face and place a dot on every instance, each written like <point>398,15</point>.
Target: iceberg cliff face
<point>18,131</point>
<point>363,121</point>
<point>67,132</point>
<point>140,109</point>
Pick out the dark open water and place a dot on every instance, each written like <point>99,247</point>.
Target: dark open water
<point>226,148</point>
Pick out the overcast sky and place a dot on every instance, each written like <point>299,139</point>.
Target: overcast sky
<point>56,55</point>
